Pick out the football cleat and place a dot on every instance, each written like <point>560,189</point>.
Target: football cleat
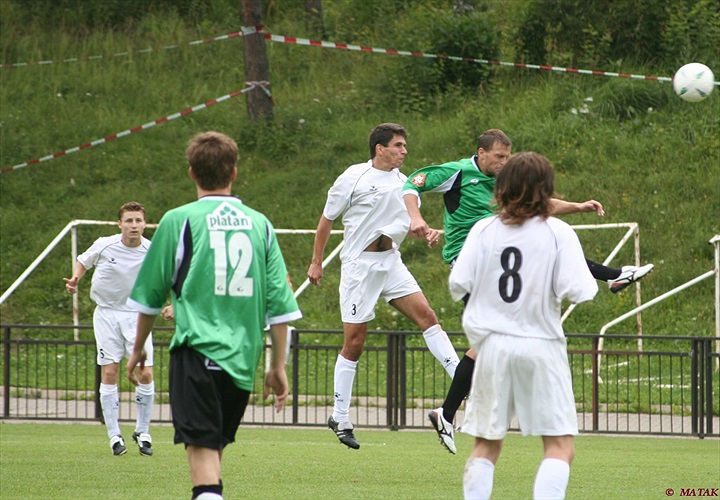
<point>629,275</point>
<point>345,436</point>
<point>117,445</point>
<point>144,442</point>
<point>445,430</point>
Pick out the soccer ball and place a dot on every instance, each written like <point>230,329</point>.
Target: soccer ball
<point>693,82</point>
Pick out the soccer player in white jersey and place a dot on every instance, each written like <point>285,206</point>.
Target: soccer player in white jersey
<point>367,197</point>
<point>117,260</point>
<point>517,267</point>
<point>221,264</point>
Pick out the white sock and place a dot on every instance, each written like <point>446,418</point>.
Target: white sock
<point>144,398</point>
<point>440,346</point>
<point>208,496</point>
<point>110,405</point>
<point>478,479</point>
<point>552,479</point>
<point>344,377</point>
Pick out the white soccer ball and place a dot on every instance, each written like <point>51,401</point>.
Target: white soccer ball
<point>693,82</point>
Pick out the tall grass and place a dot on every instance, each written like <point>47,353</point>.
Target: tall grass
<point>659,167</point>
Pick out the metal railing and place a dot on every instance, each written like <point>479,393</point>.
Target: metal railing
<point>669,388</point>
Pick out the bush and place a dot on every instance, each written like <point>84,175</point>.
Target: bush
<point>467,33</point>
<point>612,32</point>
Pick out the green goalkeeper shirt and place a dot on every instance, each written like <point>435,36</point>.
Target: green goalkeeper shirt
<point>221,263</point>
<point>467,193</point>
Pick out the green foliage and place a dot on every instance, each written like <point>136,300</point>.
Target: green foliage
<point>82,16</point>
<point>413,83</point>
<point>613,33</point>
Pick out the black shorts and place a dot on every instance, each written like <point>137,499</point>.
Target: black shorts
<point>206,404</point>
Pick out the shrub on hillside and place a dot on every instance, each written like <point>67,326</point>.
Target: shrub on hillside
<point>608,32</point>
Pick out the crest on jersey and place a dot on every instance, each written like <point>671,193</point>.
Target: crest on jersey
<point>419,180</point>
<point>227,217</point>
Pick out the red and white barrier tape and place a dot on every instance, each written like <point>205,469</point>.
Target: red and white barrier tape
<point>244,31</point>
<point>361,48</point>
<point>251,85</point>
<point>308,42</point>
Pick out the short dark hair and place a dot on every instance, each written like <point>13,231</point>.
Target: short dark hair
<point>131,206</point>
<point>213,157</point>
<point>383,134</point>
<point>488,139</point>
<point>524,188</point>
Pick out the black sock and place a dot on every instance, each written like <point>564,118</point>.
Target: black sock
<point>459,387</point>
<point>207,488</point>
<point>602,273</point>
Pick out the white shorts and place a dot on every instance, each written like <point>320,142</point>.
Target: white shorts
<point>373,275</point>
<point>115,336</point>
<point>524,377</point>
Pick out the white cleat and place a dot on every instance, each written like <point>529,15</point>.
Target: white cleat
<point>445,430</point>
<point>629,275</point>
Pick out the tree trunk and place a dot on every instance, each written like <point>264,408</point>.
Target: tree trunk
<point>257,68</point>
<point>313,16</point>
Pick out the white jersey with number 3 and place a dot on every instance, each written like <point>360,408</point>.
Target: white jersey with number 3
<point>517,276</point>
<point>370,203</point>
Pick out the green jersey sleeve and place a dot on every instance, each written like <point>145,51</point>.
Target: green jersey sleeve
<point>156,274</point>
<point>435,178</point>
<point>282,306</point>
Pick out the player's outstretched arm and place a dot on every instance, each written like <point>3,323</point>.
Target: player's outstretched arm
<point>561,207</point>
<point>71,284</point>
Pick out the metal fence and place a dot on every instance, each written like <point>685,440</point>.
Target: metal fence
<point>671,387</point>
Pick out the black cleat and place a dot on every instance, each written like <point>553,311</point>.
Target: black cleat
<point>117,445</point>
<point>345,436</point>
<point>144,441</point>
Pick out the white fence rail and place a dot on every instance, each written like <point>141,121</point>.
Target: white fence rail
<point>632,232</point>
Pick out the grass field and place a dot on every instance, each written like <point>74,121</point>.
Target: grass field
<point>74,461</point>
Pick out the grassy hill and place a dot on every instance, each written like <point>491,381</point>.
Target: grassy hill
<point>646,155</point>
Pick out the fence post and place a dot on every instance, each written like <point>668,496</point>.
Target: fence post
<point>708,371</point>
<point>295,349</point>
<point>392,381</point>
<point>294,343</point>
<point>402,379</point>
<point>98,404</point>
<point>595,376</point>
<point>694,385</point>
<point>6,373</point>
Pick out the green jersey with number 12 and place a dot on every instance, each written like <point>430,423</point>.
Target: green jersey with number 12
<point>222,264</point>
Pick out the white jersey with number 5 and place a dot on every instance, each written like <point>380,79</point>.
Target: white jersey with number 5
<point>517,276</point>
<point>116,267</point>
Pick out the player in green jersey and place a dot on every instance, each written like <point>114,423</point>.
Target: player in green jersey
<point>467,187</point>
<point>221,264</point>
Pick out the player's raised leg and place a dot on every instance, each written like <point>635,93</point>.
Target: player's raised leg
<point>416,307</point>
